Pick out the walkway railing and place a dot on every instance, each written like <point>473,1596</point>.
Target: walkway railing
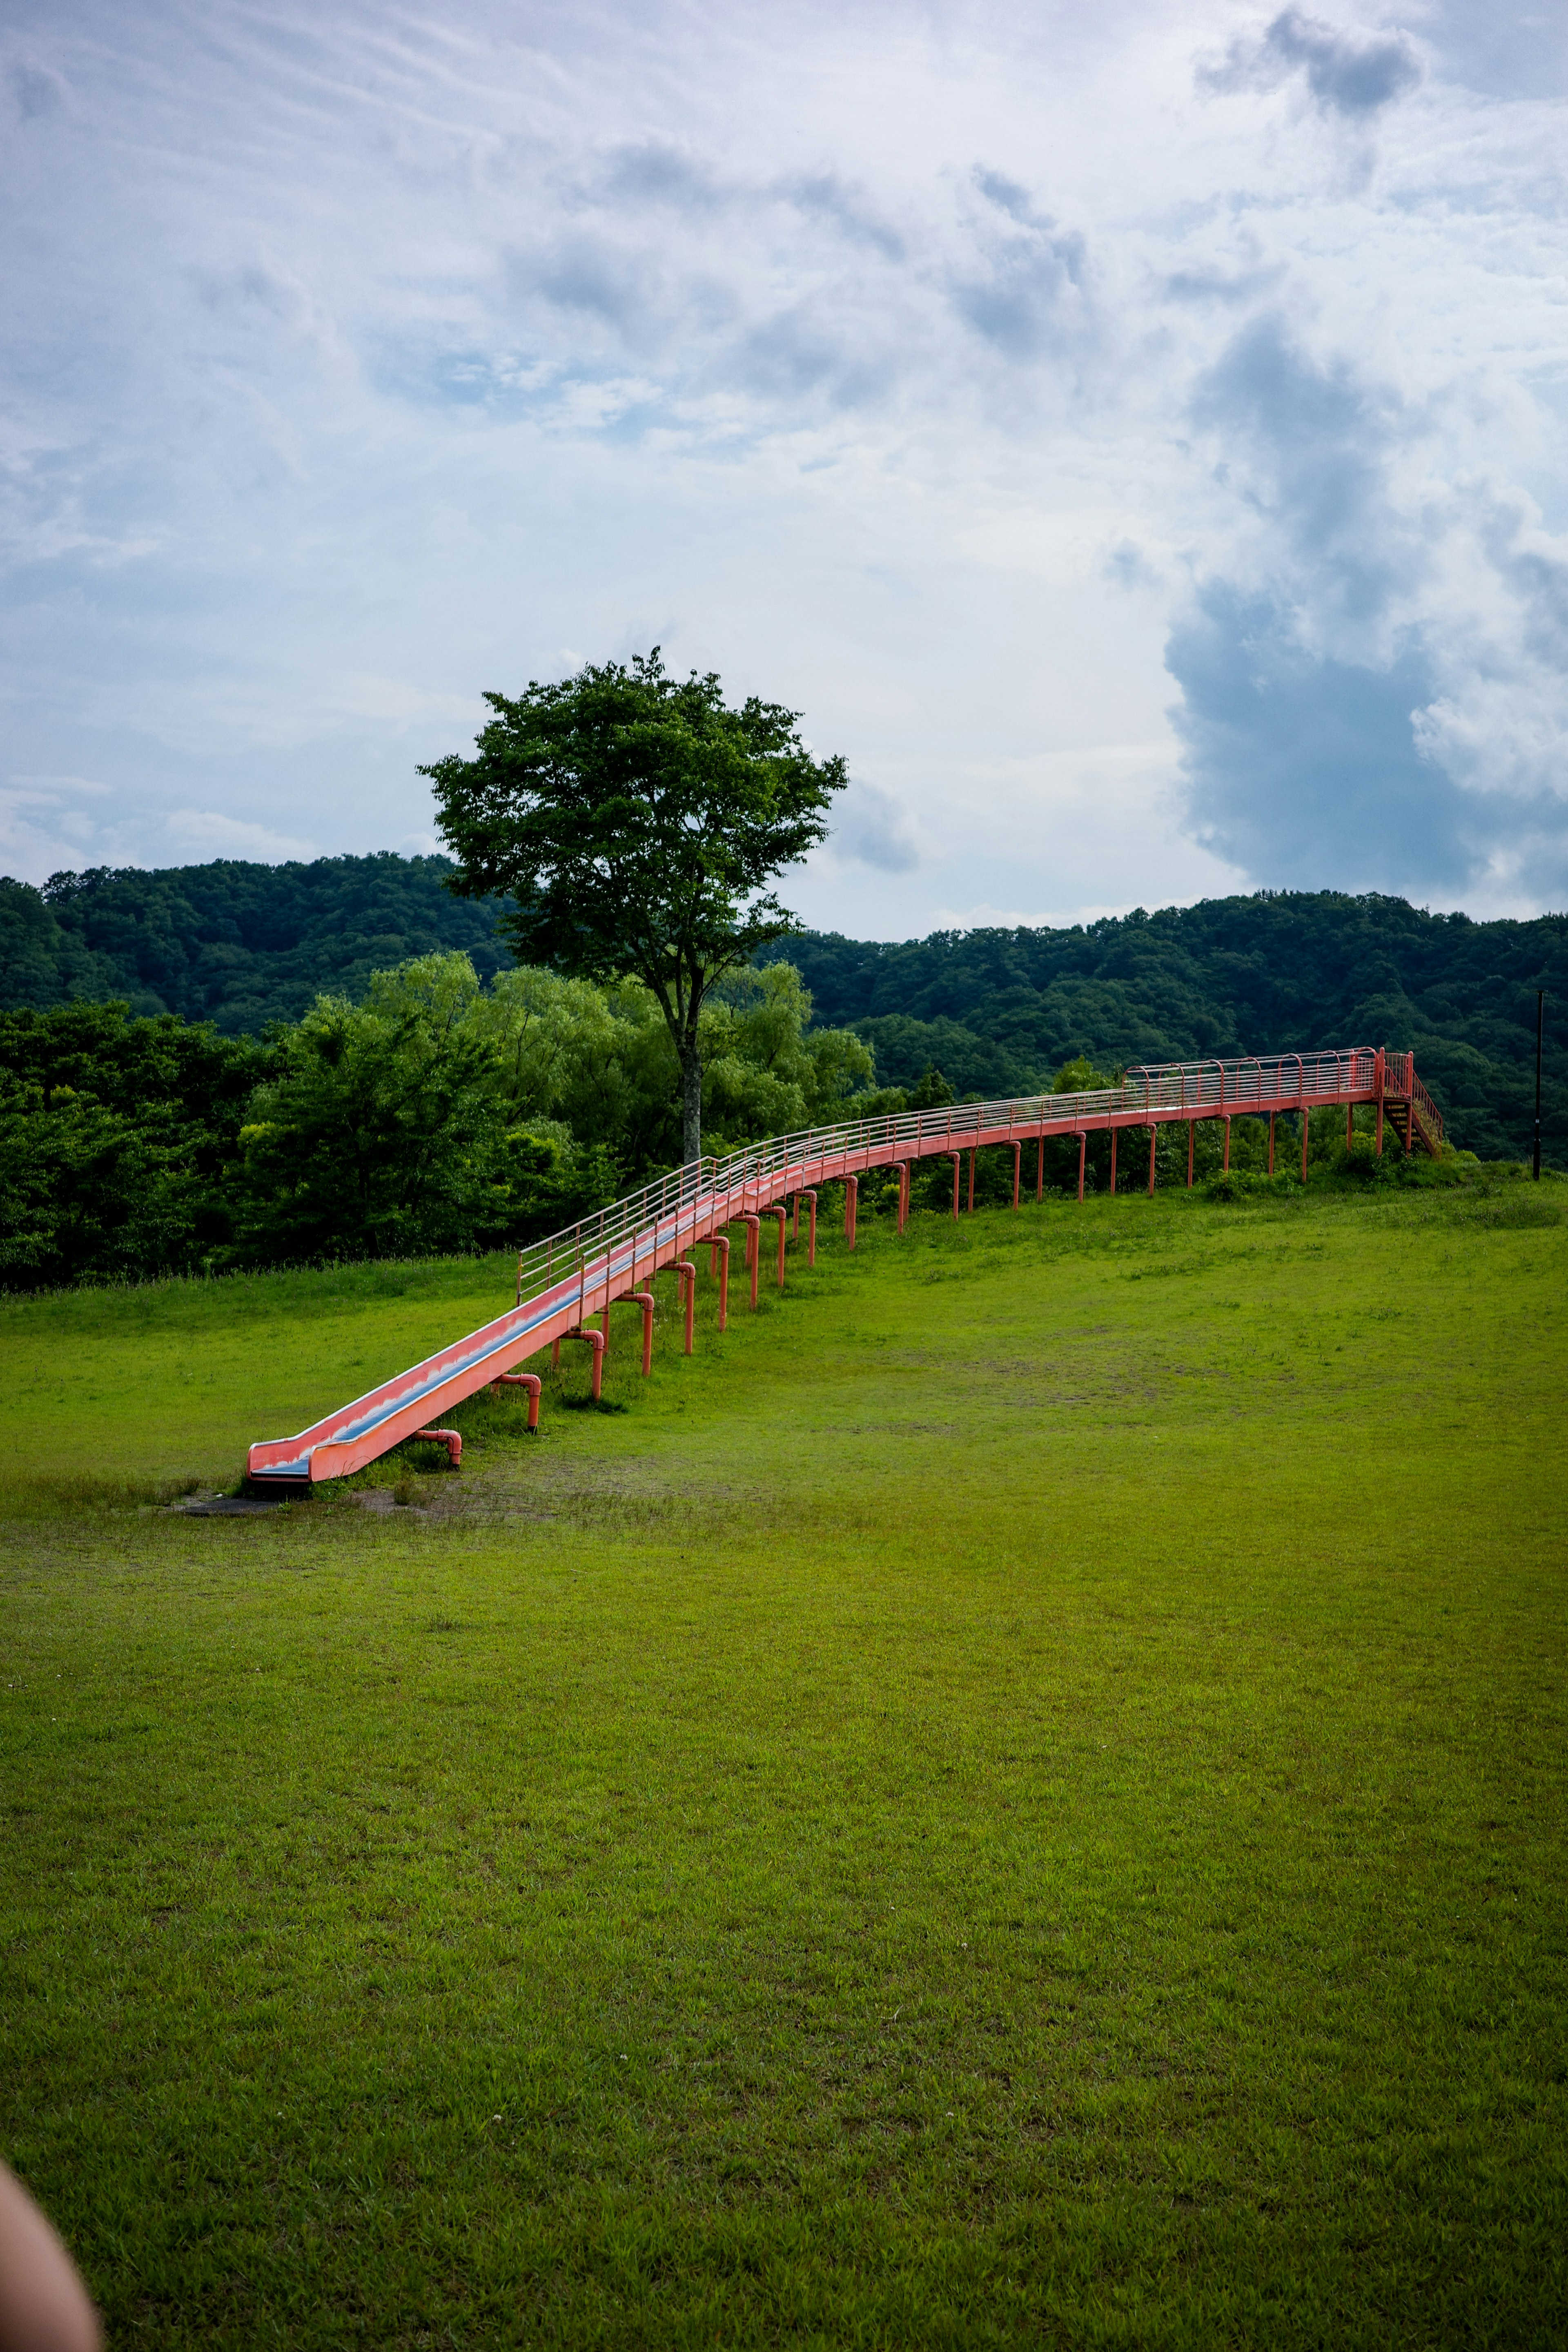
<point>584,1269</point>
<point>1163,1091</point>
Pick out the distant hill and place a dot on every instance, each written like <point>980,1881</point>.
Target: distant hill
<point>999,1010</point>
<point>235,944</point>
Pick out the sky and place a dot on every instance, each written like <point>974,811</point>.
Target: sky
<point>1133,435</point>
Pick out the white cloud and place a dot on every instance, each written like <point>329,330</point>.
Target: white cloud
<point>359,362</point>
<point>202,834</point>
<point>49,824</point>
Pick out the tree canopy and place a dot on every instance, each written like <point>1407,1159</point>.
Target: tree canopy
<point>233,942</point>
<point>436,1114</point>
<point>636,820</point>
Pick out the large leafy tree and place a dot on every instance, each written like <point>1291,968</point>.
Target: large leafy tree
<point>637,820</point>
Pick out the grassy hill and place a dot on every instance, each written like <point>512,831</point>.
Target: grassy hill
<point>1018,1797</point>
<point>998,1010</point>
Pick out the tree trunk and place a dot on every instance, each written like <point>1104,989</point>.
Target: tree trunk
<point>691,1103</point>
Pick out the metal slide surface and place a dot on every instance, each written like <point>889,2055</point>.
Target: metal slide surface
<point>572,1275</point>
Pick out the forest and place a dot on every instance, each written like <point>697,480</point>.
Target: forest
<point>235,1065</point>
<point>244,946</point>
<point>236,944</point>
<point>434,1115</point>
<point>1276,972</point>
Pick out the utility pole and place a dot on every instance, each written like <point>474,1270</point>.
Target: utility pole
<point>1540,1026</point>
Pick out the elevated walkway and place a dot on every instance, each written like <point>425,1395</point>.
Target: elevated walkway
<point>615,1255</point>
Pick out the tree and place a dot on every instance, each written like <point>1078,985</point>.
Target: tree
<point>636,820</point>
<point>386,1132</point>
<point>114,1139</point>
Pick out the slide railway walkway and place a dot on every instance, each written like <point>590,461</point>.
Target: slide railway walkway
<point>615,1255</point>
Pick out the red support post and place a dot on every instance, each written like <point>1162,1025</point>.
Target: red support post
<point>795,1234</point>
<point>721,1250</point>
<point>447,1437</point>
<point>529,1381</point>
<point>595,1339</point>
<point>1018,1171</point>
<point>644,1299</point>
<point>782,1215</point>
<point>852,1202</point>
<point>958,1158</point>
<point>688,1275</point>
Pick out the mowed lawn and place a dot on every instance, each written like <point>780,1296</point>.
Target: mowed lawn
<point>1018,1799</point>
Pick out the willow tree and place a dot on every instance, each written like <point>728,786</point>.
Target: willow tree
<point>636,821</point>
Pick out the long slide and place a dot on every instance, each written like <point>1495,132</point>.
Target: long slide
<point>613,1255</point>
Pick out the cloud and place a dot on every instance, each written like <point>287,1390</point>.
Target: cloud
<point>43,826</point>
<point>1503,48</point>
<point>1346,77</point>
<point>1234,288</point>
<point>204,834</point>
<point>357,360</point>
<point>620,288</point>
<point>807,350</point>
<point>872,829</point>
<point>845,209</point>
<point>1128,568</point>
<point>1027,296</point>
<point>653,174</point>
<point>1302,765</point>
<point>1378,687</point>
<point>1307,446</point>
<point>36,89</point>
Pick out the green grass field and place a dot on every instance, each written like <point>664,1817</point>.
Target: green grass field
<point>1018,1797</point>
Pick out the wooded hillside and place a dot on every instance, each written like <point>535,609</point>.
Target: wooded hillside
<point>1278,973</point>
<point>999,1010</point>
<point>235,944</point>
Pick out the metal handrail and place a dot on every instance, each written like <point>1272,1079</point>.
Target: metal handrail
<point>1400,1079</point>
<point>583,1269</point>
<point>1168,1087</point>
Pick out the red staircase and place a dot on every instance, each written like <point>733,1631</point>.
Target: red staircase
<point>1409,1107</point>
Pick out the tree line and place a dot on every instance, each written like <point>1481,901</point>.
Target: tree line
<point>434,1115</point>
<point>245,946</point>
<point>1285,971</point>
